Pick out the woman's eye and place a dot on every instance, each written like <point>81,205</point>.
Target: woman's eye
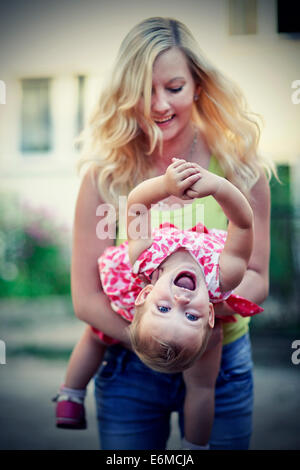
<point>163,309</point>
<point>175,90</point>
<point>191,317</point>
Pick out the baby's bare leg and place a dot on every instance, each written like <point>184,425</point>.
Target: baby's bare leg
<point>85,360</point>
<point>200,382</point>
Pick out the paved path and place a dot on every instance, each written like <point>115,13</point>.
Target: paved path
<point>27,414</point>
<point>27,383</point>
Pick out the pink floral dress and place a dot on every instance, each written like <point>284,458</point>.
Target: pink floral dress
<point>122,282</point>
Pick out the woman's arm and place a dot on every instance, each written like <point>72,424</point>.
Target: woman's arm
<point>90,303</point>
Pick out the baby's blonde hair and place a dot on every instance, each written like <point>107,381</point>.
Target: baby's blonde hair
<point>114,139</point>
<point>164,356</point>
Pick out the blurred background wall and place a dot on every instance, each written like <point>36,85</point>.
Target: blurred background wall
<point>54,56</point>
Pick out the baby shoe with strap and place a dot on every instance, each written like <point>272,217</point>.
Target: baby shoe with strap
<point>70,412</point>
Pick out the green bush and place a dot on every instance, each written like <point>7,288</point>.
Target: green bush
<point>34,251</point>
<point>282,262</point>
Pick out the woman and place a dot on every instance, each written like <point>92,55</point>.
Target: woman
<point>165,100</point>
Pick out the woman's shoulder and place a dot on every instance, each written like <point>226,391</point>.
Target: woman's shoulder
<point>260,192</point>
<point>88,184</point>
<point>86,215</point>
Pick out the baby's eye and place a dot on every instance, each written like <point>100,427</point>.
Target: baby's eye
<point>191,317</point>
<point>163,308</point>
<point>175,90</point>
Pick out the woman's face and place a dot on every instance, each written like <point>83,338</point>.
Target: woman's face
<point>173,91</point>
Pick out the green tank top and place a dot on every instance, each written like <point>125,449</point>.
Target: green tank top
<point>207,211</point>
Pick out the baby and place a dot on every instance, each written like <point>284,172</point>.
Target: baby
<point>165,281</point>
<point>184,271</point>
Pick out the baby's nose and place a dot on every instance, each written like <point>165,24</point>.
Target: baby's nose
<point>182,299</point>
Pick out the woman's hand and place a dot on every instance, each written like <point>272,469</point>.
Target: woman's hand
<point>180,176</point>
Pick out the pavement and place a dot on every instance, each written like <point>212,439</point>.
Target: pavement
<point>36,358</point>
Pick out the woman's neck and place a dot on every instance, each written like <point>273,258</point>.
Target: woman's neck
<point>191,146</point>
<point>178,147</point>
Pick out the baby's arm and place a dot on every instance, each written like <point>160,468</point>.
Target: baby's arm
<point>238,247</point>
<point>180,175</point>
<point>200,382</point>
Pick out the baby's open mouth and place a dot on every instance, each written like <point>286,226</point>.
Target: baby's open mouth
<point>185,280</point>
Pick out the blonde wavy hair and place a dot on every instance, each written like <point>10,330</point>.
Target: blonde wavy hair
<point>114,140</point>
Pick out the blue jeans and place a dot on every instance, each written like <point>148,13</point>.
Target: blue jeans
<point>134,403</point>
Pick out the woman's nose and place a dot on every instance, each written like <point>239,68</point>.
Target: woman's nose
<point>160,103</point>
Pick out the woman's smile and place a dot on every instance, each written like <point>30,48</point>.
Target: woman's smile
<point>162,122</point>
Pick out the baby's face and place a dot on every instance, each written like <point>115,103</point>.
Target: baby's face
<point>177,306</point>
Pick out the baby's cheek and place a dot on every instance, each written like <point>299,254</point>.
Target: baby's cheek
<point>204,305</point>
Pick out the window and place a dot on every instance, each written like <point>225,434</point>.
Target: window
<point>242,17</point>
<point>2,92</point>
<point>80,102</point>
<point>36,130</point>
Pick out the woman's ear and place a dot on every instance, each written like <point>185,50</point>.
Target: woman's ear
<point>211,315</point>
<point>197,92</point>
<point>140,300</point>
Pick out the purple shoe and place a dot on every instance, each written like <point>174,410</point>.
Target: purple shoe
<point>70,414</point>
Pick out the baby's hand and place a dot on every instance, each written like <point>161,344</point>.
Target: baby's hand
<point>207,185</point>
<point>180,176</point>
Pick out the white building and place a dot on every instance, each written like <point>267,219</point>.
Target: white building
<point>54,54</point>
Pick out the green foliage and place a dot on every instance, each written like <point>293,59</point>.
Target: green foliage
<point>282,264</point>
<point>34,251</point>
